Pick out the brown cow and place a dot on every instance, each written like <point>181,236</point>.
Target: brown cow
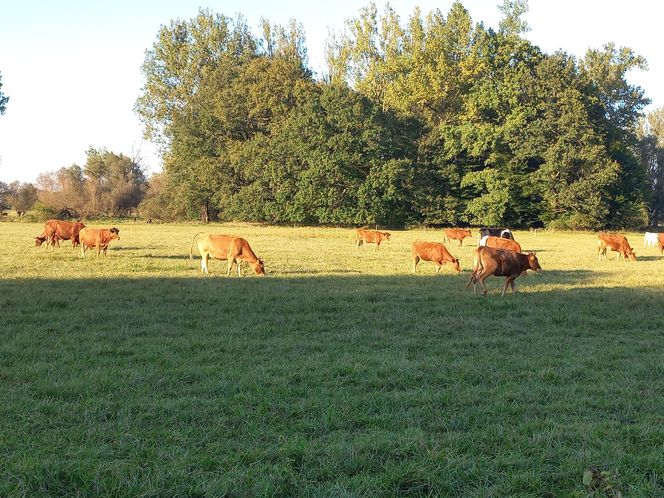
<point>363,236</point>
<point>97,237</point>
<point>56,230</point>
<point>456,234</point>
<point>660,242</point>
<point>490,261</point>
<point>432,251</point>
<point>501,243</point>
<point>617,243</point>
<point>226,247</point>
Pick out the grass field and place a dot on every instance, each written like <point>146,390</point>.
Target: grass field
<point>340,374</point>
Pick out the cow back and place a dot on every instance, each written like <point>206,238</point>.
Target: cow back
<point>501,243</point>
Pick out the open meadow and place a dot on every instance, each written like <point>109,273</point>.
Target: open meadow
<point>341,373</point>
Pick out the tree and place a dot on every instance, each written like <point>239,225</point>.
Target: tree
<point>115,184</point>
<point>3,98</point>
<point>5,192</point>
<point>651,152</point>
<point>64,191</point>
<point>182,55</point>
<point>23,196</point>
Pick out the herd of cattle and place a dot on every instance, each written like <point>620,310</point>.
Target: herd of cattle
<point>497,253</point>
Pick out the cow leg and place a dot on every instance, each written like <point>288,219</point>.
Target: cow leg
<point>438,267</point>
<point>239,266</point>
<point>481,280</point>
<point>513,285</point>
<point>416,259</point>
<point>507,283</point>
<point>204,263</point>
<point>230,265</point>
<point>460,242</point>
<point>82,250</point>
<point>358,243</point>
<point>376,246</point>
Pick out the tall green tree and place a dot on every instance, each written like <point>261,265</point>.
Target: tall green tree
<point>651,152</point>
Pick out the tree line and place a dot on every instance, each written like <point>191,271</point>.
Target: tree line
<point>108,185</point>
<point>436,120</point>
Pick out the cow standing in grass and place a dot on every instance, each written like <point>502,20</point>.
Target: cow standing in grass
<point>363,236</point>
<point>660,242</point>
<point>490,261</point>
<point>650,239</point>
<point>434,252</point>
<point>98,238</point>
<point>456,234</point>
<point>226,248</point>
<point>617,243</point>
<point>56,230</point>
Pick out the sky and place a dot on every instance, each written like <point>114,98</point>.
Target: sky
<point>71,68</point>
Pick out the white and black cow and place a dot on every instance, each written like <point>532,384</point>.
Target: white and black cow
<point>504,233</point>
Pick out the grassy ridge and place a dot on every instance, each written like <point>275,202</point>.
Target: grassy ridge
<point>342,373</point>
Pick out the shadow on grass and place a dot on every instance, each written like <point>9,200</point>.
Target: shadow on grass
<point>166,256</point>
<point>314,386</point>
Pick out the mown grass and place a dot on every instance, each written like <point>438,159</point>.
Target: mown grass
<point>340,374</point>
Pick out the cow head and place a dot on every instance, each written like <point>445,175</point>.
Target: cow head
<point>533,262</point>
<point>259,267</point>
<point>385,235</point>
<point>39,241</point>
<point>455,264</point>
<point>115,233</point>
<point>631,255</point>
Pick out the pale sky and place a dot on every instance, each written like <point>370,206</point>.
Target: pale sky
<point>71,68</point>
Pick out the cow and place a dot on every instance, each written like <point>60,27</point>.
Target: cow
<point>56,230</point>
<point>98,238</point>
<point>617,243</point>
<point>226,247</point>
<point>456,234</point>
<point>504,233</point>
<point>510,264</point>
<point>363,236</point>
<point>435,252</point>
<point>650,239</point>
<point>660,242</point>
<point>500,243</point>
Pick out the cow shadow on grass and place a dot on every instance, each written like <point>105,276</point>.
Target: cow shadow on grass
<point>165,256</point>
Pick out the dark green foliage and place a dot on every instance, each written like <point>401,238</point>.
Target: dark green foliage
<point>440,121</point>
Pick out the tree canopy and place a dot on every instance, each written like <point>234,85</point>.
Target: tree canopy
<point>435,120</point>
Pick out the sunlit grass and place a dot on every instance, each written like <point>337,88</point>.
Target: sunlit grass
<point>341,373</point>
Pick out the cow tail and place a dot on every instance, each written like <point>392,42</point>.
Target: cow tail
<point>191,247</point>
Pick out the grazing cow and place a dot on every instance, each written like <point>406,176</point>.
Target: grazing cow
<point>363,236</point>
<point>500,243</point>
<point>226,247</point>
<point>490,261</point>
<point>456,234</point>
<point>435,252</point>
<point>617,243</point>
<point>56,230</point>
<point>97,237</point>
<point>660,242</point>
<point>504,233</point>
<point>650,239</point>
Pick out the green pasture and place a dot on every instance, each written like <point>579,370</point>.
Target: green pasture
<point>341,373</point>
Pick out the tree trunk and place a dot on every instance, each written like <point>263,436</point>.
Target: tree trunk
<point>205,212</point>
